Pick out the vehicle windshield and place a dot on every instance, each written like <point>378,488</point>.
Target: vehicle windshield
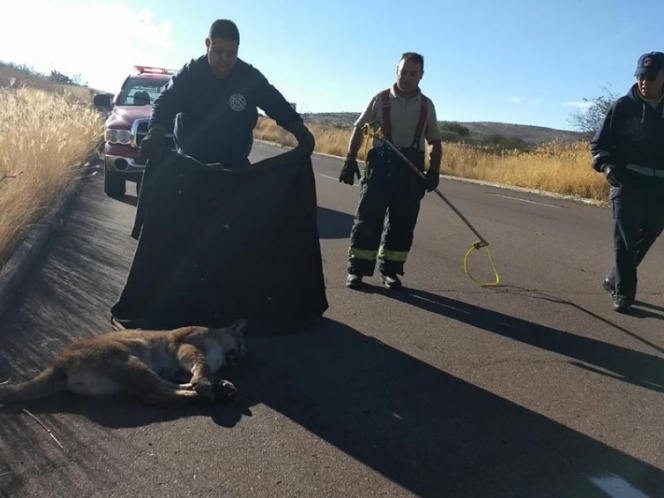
<point>140,91</point>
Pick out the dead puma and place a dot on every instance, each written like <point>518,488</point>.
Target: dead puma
<point>139,362</point>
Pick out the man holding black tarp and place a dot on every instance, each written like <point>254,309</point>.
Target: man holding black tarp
<point>213,101</point>
<point>221,238</point>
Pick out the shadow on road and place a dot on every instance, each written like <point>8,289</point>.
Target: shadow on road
<point>428,431</point>
<point>647,312</point>
<point>333,224</point>
<point>131,200</point>
<point>631,366</point>
<point>126,411</point>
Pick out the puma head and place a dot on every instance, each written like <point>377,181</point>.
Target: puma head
<point>235,345</point>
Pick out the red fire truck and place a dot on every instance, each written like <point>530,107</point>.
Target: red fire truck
<point>126,125</point>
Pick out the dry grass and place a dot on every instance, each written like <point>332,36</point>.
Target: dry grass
<point>328,139</point>
<point>553,167</point>
<point>44,138</point>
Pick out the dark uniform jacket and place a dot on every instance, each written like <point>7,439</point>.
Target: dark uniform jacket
<point>632,133</point>
<point>214,118</point>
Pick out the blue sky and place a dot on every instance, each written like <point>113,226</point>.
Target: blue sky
<point>515,61</point>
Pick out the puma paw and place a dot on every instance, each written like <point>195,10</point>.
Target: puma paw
<point>223,390</point>
<point>203,387</point>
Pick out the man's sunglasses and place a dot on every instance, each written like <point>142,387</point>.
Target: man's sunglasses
<point>648,77</point>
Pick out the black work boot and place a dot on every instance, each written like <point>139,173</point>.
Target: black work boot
<point>622,304</point>
<point>354,281</point>
<point>608,286</point>
<point>392,282</point>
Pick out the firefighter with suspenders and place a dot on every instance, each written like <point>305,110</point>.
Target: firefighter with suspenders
<point>390,193</point>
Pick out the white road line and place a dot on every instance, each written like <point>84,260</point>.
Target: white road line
<point>527,200</point>
<point>616,487</point>
<point>325,176</point>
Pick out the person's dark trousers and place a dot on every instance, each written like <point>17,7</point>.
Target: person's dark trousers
<point>400,225</point>
<point>638,219</point>
<point>389,204</point>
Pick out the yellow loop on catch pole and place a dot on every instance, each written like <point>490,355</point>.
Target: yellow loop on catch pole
<point>378,133</point>
<point>477,246</point>
<point>368,135</point>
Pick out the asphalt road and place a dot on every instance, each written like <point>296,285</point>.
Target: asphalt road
<point>535,388</point>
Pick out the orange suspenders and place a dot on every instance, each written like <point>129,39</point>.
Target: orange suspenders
<point>387,120</point>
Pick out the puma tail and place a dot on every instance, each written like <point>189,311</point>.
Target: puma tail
<point>46,383</point>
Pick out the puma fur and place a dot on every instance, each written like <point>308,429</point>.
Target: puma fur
<point>141,362</point>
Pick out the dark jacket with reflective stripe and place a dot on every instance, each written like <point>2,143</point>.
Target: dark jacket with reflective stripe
<point>632,133</point>
<point>215,118</point>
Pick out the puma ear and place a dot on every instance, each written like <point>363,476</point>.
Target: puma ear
<point>240,325</point>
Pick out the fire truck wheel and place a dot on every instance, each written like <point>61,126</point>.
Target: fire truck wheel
<point>114,184</point>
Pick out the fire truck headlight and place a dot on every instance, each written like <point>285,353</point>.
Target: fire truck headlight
<point>123,137</point>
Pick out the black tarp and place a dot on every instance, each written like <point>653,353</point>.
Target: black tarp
<point>216,245</point>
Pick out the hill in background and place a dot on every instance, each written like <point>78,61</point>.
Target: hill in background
<point>17,76</point>
<point>480,131</point>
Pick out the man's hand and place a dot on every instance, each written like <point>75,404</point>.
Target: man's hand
<point>612,174</point>
<point>152,145</point>
<point>431,180</point>
<point>349,171</point>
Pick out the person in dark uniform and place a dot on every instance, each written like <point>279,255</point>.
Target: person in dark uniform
<point>220,238</point>
<point>629,150</point>
<point>213,102</point>
<point>390,192</point>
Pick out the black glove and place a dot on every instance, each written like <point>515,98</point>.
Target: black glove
<point>152,145</point>
<point>613,175</point>
<point>305,140</point>
<point>431,180</point>
<point>349,171</point>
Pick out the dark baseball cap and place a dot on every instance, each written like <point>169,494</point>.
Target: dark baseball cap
<point>650,64</point>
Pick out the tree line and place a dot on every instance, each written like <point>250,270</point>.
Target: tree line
<point>20,72</point>
<point>453,131</point>
<point>586,120</point>
<point>589,119</point>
